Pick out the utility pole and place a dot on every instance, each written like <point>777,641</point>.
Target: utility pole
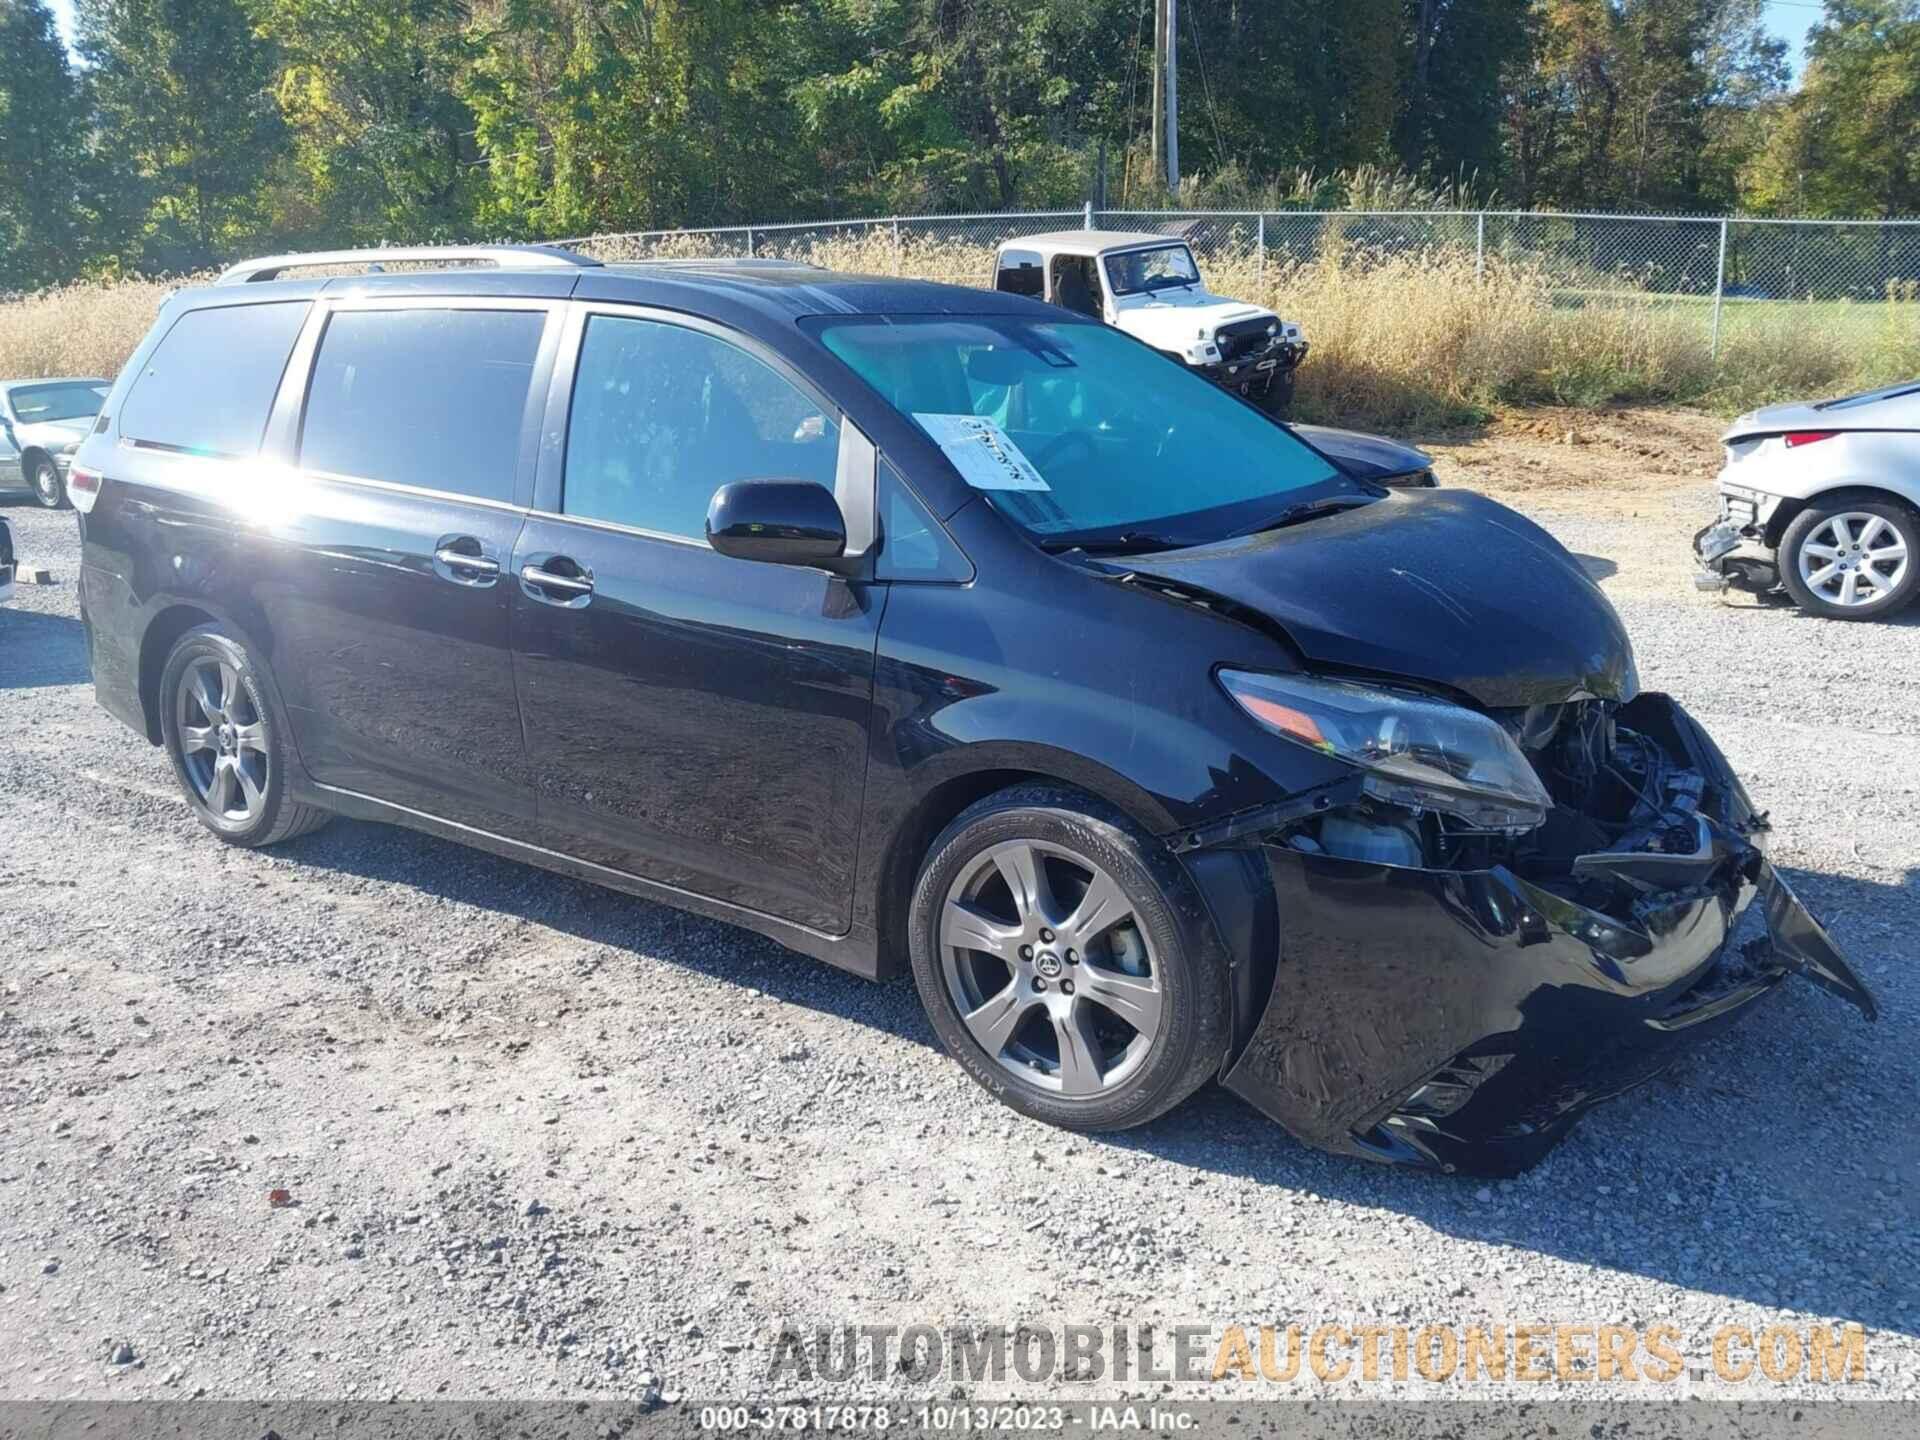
<point>1157,125</point>
<point>1173,99</point>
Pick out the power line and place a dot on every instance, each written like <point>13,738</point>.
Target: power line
<point>1206,85</point>
<point>1133,94</point>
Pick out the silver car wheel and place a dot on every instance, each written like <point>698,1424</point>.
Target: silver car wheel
<point>46,484</point>
<point>223,741</point>
<point>1049,968</point>
<point>1853,559</point>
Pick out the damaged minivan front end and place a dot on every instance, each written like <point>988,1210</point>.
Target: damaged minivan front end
<point>1458,982</point>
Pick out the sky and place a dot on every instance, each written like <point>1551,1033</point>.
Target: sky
<point>1787,19</point>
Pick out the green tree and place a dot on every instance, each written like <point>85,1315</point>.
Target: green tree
<point>381,146</point>
<point>41,153</point>
<point>1848,143</point>
<point>595,114</point>
<point>1457,53</point>
<point>952,104</point>
<point>1639,104</point>
<point>184,114</point>
<point>1290,84</point>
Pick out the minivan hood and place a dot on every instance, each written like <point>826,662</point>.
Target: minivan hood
<point>1442,587</point>
<point>1367,457</point>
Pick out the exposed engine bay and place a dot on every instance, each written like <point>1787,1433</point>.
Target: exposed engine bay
<point>1455,996</point>
<point>1626,820</point>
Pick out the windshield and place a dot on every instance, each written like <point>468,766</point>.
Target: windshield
<point>1080,433</point>
<point>1138,271</point>
<point>69,400</point>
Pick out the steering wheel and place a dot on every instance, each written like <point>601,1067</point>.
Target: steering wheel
<point>1061,445</point>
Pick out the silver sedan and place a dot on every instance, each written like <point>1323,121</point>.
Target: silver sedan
<point>42,423</point>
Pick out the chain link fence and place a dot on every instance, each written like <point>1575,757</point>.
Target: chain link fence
<point>1725,269</point>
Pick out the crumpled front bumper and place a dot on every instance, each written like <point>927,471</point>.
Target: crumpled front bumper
<point>1733,552</point>
<point>1464,1020</point>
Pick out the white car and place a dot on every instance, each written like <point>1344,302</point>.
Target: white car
<point>42,423</point>
<point>1149,286</point>
<point>1822,500</point>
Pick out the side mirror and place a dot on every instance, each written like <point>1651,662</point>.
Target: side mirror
<point>779,522</point>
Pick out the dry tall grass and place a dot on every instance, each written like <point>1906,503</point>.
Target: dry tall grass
<point>78,329</point>
<point>1399,340</point>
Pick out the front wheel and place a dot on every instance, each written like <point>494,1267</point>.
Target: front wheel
<point>48,488</point>
<point>1064,959</point>
<point>1852,559</point>
<point>1277,399</point>
<point>227,741</point>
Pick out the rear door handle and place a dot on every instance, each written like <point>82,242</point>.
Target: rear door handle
<point>459,558</point>
<point>552,588</point>
<point>479,563</point>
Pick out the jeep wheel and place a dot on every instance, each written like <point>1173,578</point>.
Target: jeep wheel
<point>1279,397</point>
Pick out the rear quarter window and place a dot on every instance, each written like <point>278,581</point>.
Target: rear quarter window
<point>209,384</point>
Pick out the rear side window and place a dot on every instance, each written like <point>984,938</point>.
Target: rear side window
<point>433,397</point>
<point>209,383</point>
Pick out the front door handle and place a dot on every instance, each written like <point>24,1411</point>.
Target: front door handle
<point>556,586</point>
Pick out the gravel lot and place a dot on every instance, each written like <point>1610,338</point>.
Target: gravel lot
<point>544,1140</point>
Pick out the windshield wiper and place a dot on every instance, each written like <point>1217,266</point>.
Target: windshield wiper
<point>1304,510</point>
<point>1133,542</point>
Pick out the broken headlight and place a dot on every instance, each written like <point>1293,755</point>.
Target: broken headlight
<point>1421,753</point>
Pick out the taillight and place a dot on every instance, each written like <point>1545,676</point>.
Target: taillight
<point>83,488</point>
<point>1808,437</point>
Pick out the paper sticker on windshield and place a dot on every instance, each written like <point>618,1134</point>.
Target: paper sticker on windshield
<point>982,452</point>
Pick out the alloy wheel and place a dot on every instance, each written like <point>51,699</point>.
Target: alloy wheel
<point>1049,968</point>
<point>223,740</point>
<point>1853,559</point>
<point>46,484</point>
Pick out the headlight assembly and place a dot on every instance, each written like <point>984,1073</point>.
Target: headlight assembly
<point>1420,753</point>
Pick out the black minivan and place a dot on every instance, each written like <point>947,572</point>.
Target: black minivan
<point>933,628</point>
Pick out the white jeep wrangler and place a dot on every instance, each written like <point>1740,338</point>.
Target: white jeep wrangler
<point>1149,286</point>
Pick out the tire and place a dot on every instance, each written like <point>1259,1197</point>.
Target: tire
<point>226,735</point>
<point>1852,557</point>
<point>1101,1040</point>
<point>1279,397</point>
<point>48,488</point>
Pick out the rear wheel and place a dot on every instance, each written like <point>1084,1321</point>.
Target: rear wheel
<point>48,488</point>
<point>1852,559</point>
<point>1064,959</point>
<point>227,742</point>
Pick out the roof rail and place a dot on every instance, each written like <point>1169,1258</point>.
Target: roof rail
<point>507,257</point>
<point>724,262</point>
